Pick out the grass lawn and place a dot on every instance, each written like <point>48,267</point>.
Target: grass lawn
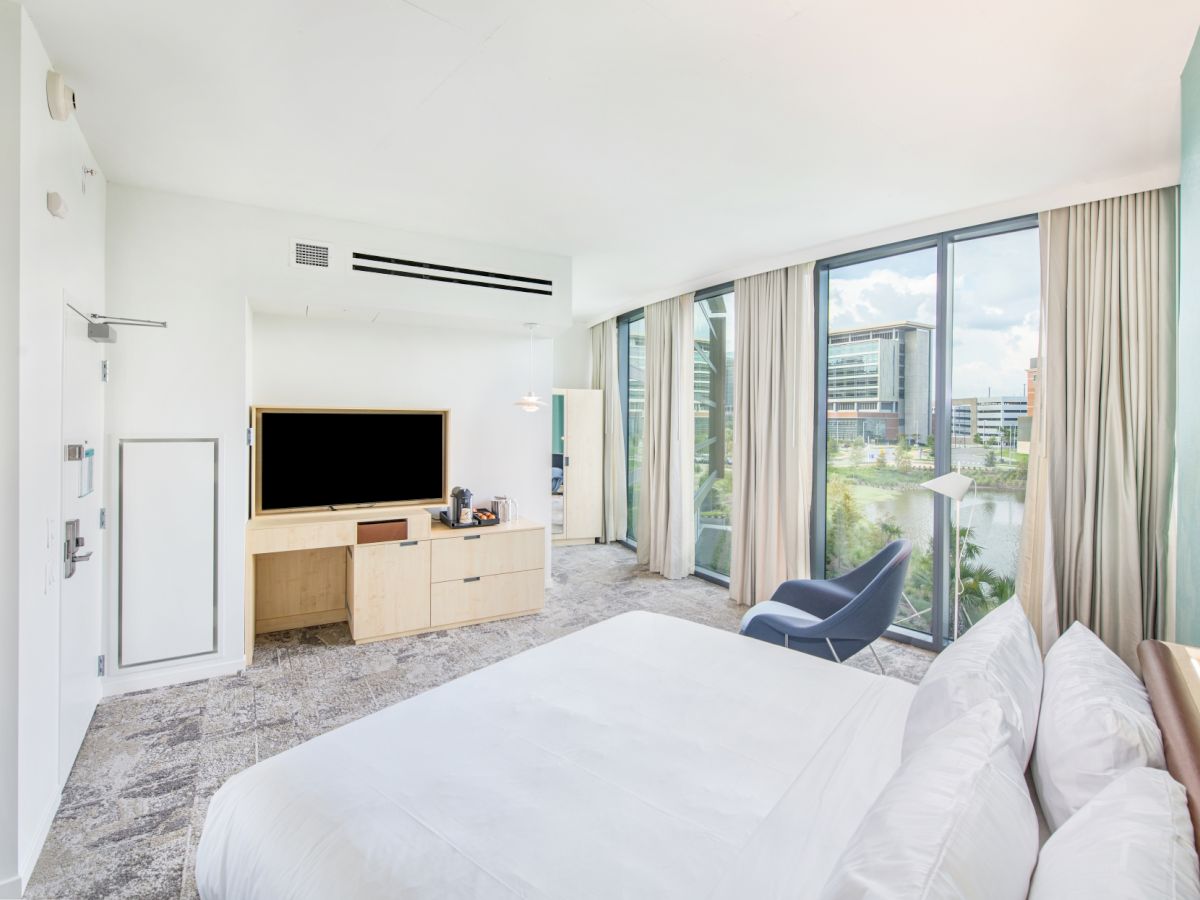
<point>868,493</point>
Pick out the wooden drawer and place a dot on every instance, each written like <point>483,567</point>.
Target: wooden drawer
<point>478,554</point>
<point>486,597</point>
<point>380,532</point>
<point>308,536</point>
<point>388,589</point>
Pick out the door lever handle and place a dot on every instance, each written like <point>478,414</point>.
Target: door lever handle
<point>81,557</point>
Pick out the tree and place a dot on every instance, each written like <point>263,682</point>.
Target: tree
<point>881,459</point>
<point>989,459</point>
<point>904,455</point>
<point>856,452</point>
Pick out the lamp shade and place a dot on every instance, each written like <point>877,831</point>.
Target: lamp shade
<point>953,485</point>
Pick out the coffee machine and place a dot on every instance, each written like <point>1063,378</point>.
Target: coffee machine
<point>460,500</point>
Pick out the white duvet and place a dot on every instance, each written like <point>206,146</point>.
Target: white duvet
<point>643,757</point>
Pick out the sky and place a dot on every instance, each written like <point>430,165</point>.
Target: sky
<point>995,305</point>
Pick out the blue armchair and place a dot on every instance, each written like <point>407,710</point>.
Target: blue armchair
<point>834,619</point>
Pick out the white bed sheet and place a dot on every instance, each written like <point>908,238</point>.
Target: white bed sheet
<point>642,757</point>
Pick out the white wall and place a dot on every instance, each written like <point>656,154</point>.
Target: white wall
<point>573,357</point>
<point>55,255</point>
<point>197,263</point>
<point>10,228</point>
<point>495,448</point>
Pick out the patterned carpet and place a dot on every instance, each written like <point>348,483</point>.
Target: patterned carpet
<point>135,803</point>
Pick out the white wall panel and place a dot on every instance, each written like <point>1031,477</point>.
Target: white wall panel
<point>168,521</point>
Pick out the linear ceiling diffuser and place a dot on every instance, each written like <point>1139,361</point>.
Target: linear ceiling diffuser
<point>408,268</point>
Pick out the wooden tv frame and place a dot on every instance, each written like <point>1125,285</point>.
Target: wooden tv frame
<point>256,412</point>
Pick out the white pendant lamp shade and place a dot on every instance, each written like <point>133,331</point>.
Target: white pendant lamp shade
<point>529,401</point>
<point>953,485</point>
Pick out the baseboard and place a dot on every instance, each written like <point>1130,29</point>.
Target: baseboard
<point>301,620</point>
<point>124,682</point>
<point>30,859</point>
<point>11,888</point>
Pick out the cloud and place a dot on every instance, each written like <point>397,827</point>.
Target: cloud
<point>882,295</point>
<point>995,300</point>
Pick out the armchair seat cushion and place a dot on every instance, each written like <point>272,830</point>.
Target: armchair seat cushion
<point>797,617</point>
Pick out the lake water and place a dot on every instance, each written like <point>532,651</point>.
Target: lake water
<point>994,517</point>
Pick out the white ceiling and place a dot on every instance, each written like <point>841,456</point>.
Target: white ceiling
<point>655,141</point>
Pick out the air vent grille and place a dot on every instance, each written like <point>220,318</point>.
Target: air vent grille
<point>407,268</point>
<point>312,255</point>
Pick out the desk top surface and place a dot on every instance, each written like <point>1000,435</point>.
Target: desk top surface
<point>379,513</point>
<point>439,531</point>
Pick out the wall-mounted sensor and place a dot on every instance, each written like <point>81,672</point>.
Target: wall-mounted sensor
<point>102,333</point>
<point>56,204</point>
<point>60,97</point>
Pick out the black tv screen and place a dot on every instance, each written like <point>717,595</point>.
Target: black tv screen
<point>313,459</point>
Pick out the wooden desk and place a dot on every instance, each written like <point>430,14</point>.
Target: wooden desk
<point>314,568</point>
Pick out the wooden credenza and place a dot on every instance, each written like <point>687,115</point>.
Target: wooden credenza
<point>388,572</point>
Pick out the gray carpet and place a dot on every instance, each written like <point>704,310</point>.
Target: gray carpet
<point>135,803</point>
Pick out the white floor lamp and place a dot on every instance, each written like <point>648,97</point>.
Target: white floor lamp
<point>955,486</point>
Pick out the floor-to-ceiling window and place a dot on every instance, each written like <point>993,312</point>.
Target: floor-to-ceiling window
<point>631,352</point>
<point>927,367</point>
<point>882,320</point>
<point>713,389</point>
<point>994,289</point>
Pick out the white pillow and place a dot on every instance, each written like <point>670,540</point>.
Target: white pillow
<point>998,659</point>
<point>1096,724</point>
<point>954,821</point>
<point>1133,839</point>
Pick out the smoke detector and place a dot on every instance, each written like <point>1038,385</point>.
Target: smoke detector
<point>60,97</point>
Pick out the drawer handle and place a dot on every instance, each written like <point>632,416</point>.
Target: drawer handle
<point>472,537</point>
<point>408,543</point>
<point>465,580</point>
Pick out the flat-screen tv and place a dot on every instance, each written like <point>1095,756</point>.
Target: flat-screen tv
<point>308,459</point>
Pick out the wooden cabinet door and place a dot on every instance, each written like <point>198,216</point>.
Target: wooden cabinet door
<point>390,589</point>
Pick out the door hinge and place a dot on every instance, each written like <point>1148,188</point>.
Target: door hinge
<point>104,370</point>
<point>100,664</point>
<point>103,518</point>
<point>249,437</point>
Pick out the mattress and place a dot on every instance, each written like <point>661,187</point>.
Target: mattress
<point>644,756</point>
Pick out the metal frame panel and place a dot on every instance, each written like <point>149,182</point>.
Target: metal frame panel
<point>942,387</point>
<point>216,444</point>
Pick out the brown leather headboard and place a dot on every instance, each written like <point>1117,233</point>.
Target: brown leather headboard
<point>1173,682</point>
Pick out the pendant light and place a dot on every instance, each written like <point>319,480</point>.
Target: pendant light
<point>530,402</point>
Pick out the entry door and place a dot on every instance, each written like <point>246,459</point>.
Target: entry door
<point>80,597</point>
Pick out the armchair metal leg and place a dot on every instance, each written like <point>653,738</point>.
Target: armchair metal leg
<point>829,644</point>
<point>878,661</point>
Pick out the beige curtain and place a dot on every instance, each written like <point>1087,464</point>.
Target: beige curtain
<point>774,361</point>
<point>1103,459</point>
<point>605,377</point>
<point>1035,569</point>
<point>666,531</point>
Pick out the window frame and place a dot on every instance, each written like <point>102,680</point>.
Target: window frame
<point>942,411</point>
<point>708,293</point>
<point>623,322</point>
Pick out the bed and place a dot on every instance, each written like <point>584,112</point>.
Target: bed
<point>644,756</point>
